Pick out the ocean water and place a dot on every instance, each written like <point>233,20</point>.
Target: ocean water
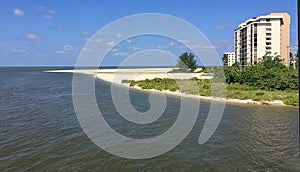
<point>39,131</point>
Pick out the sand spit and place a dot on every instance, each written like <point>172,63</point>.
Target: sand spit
<point>117,75</point>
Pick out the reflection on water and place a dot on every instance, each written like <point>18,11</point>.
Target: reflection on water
<point>40,131</point>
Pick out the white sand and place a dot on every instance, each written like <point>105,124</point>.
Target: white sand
<point>117,75</point>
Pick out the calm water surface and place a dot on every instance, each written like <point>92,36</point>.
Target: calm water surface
<point>39,131</point>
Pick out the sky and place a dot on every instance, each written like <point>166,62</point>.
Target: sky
<point>54,33</point>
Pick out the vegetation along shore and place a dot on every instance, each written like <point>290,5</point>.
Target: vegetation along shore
<point>263,83</point>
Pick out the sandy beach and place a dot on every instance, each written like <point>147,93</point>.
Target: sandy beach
<point>116,76</point>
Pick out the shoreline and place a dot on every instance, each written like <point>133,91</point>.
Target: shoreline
<point>208,98</point>
<point>116,76</point>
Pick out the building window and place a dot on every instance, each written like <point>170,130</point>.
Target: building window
<point>268,48</point>
<point>268,34</point>
<point>268,39</point>
<point>268,29</point>
<point>268,43</point>
<point>268,20</point>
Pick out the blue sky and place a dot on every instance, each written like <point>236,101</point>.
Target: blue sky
<point>52,33</point>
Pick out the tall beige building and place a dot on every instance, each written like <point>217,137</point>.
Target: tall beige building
<point>263,35</point>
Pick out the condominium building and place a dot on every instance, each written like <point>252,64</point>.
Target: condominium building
<point>263,35</point>
<point>230,58</point>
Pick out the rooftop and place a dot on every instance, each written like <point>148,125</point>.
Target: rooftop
<point>257,19</point>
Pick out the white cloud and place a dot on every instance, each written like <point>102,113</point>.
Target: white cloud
<point>47,16</point>
<point>110,43</point>
<point>51,12</point>
<point>129,41</point>
<point>86,33</point>
<point>40,8</point>
<point>97,40</point>
<point>65,50</point>
<point>60,52</point>
<point>18,12</point>
<point>114,50</point>
<point>32,37</point>
<point>68,48</point>
<point>86,49</point>
<point>18,50</point>
<point>48,13</point>
<point>199,46</point>
<point>164,46</point>
<point>169,45</point>
<point>120,54</point>
<point>172,43</point>
<point>184,41</point>
<point>136,48</point>
<point>223,27</point>
<point>209,47</point>
<point>119,35</point>
<point>224,44</point>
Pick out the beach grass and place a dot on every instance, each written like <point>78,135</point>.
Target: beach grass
<point>202,87</point>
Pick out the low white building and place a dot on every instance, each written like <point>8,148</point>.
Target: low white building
<point>231,58</point>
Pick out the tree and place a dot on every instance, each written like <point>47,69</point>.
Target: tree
<point>232,73</point>
<point>236,65</point>
<point>297,59</point>
<point>225,59</point>
<point>272,62</point>
<point>186,62</point>
<point>269,74</point>
<point>291,59</point>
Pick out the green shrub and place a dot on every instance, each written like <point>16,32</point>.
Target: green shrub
<point>173,89</point>
<point>270,74</point>
<point>126,81</point>
<point>291,100</point>
<point>259,93</point>
<point>195,92</point>
<point>234,91</point>
<point>178,71</point>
